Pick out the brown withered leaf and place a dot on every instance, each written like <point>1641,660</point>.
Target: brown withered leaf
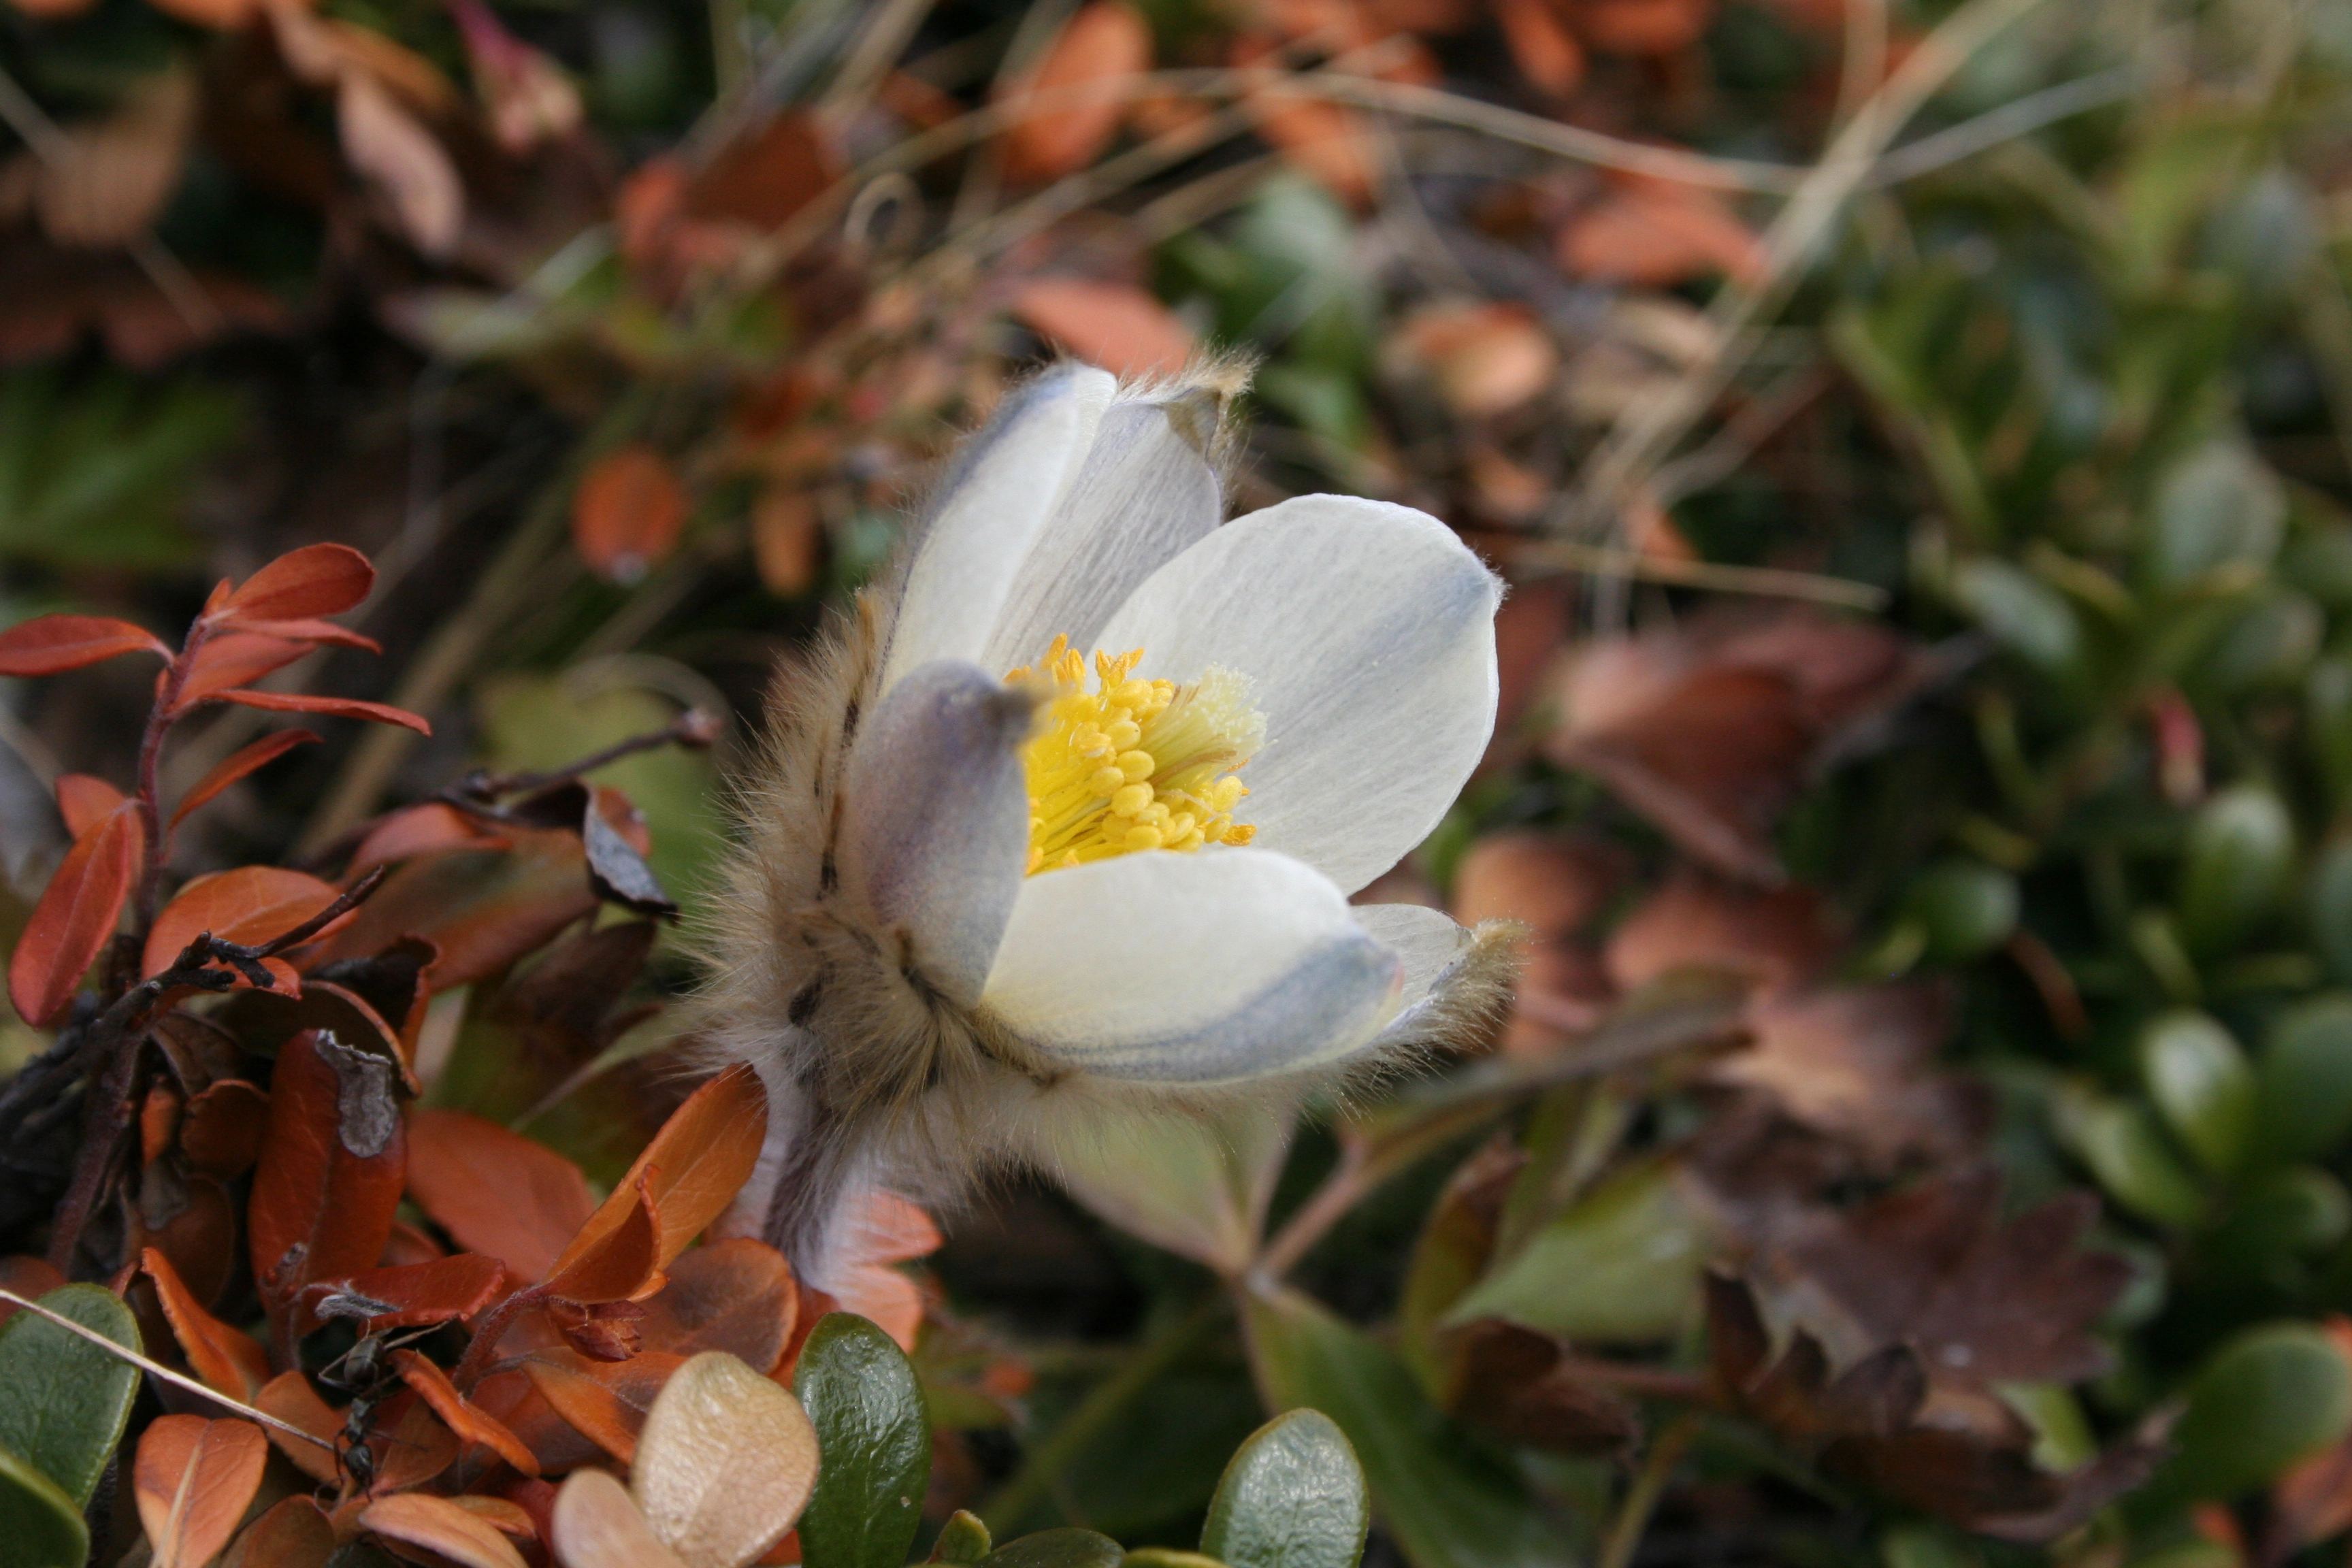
<point>1709,728</point>
<point>1774,937</point>
<point>101,184</point>
<point>1935,1266</point>
<point>1079,74</point>
<point>484,909</point>
<point>1516,1383</point>
<point>1854,1064</point>
<point>1118,326</point>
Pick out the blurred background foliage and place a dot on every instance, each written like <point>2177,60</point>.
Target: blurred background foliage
<point>1919,438</point>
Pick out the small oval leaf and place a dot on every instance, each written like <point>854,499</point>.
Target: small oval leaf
<point>725,1462</point>
<point>1293,1497</point>
<point>40,1523</point>
<point>1057,1549</point>
<point>63,1400</point>
<point>874,1434</point>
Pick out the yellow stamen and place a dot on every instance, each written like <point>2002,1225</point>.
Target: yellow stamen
<point>1134,764</point>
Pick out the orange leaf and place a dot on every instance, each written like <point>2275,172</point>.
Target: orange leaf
<point>316,579</point>
<point>233,659</point>
<point>483,910</point>
<point>1103,45</point>
<point>85,801</point>
<point>289,1397</point>
<point>736,1296</point>
<point>432,1292</point>
<point>787,535</point>
<point>74,917</point>
<point>1643,26</point>
<point>1323,141</point>
<point>627,512</point>
<point>224,1358</point>
<point>418,829</point>
<point>1654,234</point>
<point>222,1130</point>
<point>617,1257</point>
<point>333,707</point>
<point>330,1176</point>
<point>441,1528</point>
<point>694,1166</point>
<point>192,1479</point>
<point>1115,325</point>
<point>496,1191</point>
<point>29,1277</point>
<point>291,1533</point>
<point>307,630</point>
<point>50,645</point>
<point>605,1401</point>
<point>471,1425</point>
<point>1546,52</point>
<point>248,906</point>
<point>246,760</point>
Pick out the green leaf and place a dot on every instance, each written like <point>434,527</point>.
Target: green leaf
<point>1196,1187</point>
<point>1621,1266</point>
<point>1446,1502</point>
<point>42,1526</point>
<point>2022,612</point>
<point>1966,907</point>
<point>2328,909</point>
<point>2125,1148</point>
<point>962,1539</point>
<point>1168,1557</point>
<point>2200,1081</point>
<point>2219,505</point>
<point>63,1401</point>
<point>1294,1497</point>
<point>2306,1079</point>
<point>2273,1395</point>
<point>1057,1549</point>
<point>873,1444</point>
<point>2241,849</point>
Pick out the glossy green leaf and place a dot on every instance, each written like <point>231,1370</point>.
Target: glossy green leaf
<point>1294,1497</point>
<point>2199,1080</point>
<point>2329,908</point>
<point>2306,1079</point>
<point>2271,1397</point>
<point>2267,644</point>
<point>874,1442</point>
<point>2127,1152</point>
<point>1057,1549</point>
<point>2241,847</point>
<point>1168,1557</point>
<point>1965,908</point>
<point>962,1539</point>
<point>64,1401</point>
<point>1443,1499</point>
<point>1621,1266</point>
<point>43,1527</point>
<point>2022,612</point>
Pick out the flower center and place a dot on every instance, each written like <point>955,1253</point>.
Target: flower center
<point>1134,764</point>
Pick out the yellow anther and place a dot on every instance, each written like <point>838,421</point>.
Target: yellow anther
<point>1134,764</point>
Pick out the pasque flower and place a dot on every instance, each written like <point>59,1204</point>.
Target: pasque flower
<point>1061,827</point>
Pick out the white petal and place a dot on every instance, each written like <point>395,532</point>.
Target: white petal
<point>1369,631</point>
<point>1430,945</point>
<point>1005,484</point>
<point>1206,968</point>
<point>1143,494</point>
<point>936,831</point>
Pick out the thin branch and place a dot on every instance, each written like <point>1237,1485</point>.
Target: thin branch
<point>1633,1521</point>
<point>1767,580</point>
<point>156,1370</point>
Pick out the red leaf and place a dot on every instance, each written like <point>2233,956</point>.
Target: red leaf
<point>247,760</point>
<point>292,1532</point>
<point>85,800</point>
<point>74,917</point>
<point>193,1480</point>
<point>418,829</point>
<point>691,1170</point>
<point>627,514</point>
<point>496,1191</point>
<point>1103,46</point>
<point>233,659</point>
<point>289,1397</point>
<point>227,1359</point>
<point>27,1276</point>
<point>222,1130</point>
<point>436,1291</point>
<point>312,631</point>
<point>330,1176</point>
<point>249,906</point>
<point>49,645</point>
<point>1115,325</point>
<point>471,1425</point>
<point>482,910</point>
<point>337,707</point>
<point>617,1257</point>
<point>316,579</point>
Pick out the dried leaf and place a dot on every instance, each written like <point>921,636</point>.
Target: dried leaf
<point>418,830</point>
<point>1643,26</point>
<point>245,760</point>
<point>787,540</point>
<point>99,184</point>
<point>1324,140</point>
<point>224,1358</point>
<point>85,801</point>
<point>496,1191</point>
<point>193,1480</point>
<point>289,1398</point>
<point>441,1526</point>
<point>291,1533</point>
<point>333,707</point>
<point>70,925</point>
<point>1546,53</point>
<point>434,1290</point>
<point>690,1170</point>
<point>484,910</point>
<point>725,1463</point>
<point>597,1525</point>
<point>617,1257</point>
<point>405,161</point>
<point>302,584</point>
<point>1484,360</point>
<point>605,1401</point>
<point>470,1422</point>
<point>760,179</point>
<point>249,906</point>
<point>1516,1384</point>
<point>330,1174</point>
<point>628,511</point>
<point>1102,48</point>
<point>1654,234</point>
<point>1774,938</point>
<point>883,1229</point>
<point>736,1294</point>
<point>1115,325</point>
<point>50,645</point>
<point>222,1129</point>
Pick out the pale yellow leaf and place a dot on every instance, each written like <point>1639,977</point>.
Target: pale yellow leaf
<point>725,1462</point>
<point>597,1525</point>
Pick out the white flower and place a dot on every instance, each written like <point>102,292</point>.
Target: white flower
<point>1070,818</point>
